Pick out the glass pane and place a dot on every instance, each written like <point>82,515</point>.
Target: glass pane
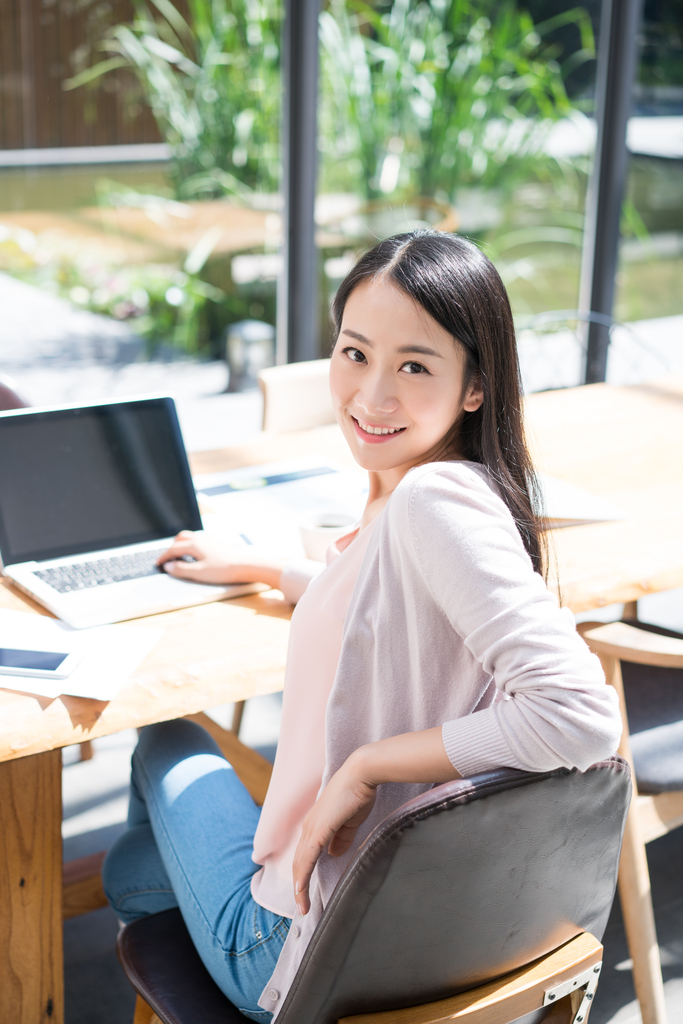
<point>651,256</point>
<point>467,116</point>
<point>139,172</point>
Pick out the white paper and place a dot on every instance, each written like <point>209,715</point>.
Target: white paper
<point>268,517</point>
<point>109,654</point>
<point>567,505</point>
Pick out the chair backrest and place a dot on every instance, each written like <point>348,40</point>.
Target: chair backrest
<point>471,880</point>
<point>296,396</point>
<point>9,396</point>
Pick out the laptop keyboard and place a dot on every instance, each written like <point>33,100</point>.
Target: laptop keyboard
<point>81,575</point>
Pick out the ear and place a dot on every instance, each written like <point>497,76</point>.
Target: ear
<point>474,396</point>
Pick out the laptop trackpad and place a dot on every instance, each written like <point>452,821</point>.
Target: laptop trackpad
<point>131,598</point>
<point>147,588</point>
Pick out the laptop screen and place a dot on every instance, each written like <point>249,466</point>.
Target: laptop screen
<point>90,478</point>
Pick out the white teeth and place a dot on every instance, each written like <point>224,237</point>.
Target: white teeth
<point>378,430</point>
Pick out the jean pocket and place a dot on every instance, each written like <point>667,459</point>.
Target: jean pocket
<point>258,1015</point>
<point>266,927</point>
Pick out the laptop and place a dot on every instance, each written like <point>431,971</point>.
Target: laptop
<point>90,495</point>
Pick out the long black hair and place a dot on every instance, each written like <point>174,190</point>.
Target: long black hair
<point>461,289</point>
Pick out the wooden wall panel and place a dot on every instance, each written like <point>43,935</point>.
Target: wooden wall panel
<point>10,73</point>
<point>39,41</point>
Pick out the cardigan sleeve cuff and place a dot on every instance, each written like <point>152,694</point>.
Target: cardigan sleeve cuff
<point>476,744</point>
<point>296,576</point>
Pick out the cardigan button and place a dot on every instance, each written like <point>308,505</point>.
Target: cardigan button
<point>273,994</point>
<point>296,931</point>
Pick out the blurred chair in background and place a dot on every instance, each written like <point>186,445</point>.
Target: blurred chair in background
<point>296,396</point>
<point>552,350</point>
<point>644,664</point>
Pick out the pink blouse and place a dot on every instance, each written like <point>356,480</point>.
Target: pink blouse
<point>312,660</point>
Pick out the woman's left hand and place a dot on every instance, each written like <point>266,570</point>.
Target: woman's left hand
<point>332,824</point>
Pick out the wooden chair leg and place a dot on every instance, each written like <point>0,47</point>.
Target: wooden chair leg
<point>563,1012</point>
<point>237,716</point>
<point>86,750</point>
<point>635,893</point>
<point>630,610</point>
<point>82,885</point>
<point>639,922</point>
<point>144,1014</point>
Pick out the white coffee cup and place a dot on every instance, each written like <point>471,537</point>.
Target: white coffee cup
<point>320,529</point>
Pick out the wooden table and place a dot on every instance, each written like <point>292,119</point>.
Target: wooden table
<point>624,444</point>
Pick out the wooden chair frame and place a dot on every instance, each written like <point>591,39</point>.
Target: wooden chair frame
<point>649,816</point>
<point>575,966</point>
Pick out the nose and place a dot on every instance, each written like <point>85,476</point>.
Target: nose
<point>377,395</point>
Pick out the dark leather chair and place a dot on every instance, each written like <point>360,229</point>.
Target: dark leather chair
<point>644,663</point>
<point>477,896</point>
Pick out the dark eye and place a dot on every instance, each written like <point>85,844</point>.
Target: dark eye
<point>355,355</point>
<point>413,368</point>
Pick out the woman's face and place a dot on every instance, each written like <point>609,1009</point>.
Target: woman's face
<point>396,378</point>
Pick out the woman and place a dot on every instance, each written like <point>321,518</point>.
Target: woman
<point>429,647</point>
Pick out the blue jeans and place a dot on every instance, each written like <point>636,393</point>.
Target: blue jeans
<point>190,837</point>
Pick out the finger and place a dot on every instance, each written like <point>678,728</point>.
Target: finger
<point>176,550</point>
<point>186,570</point>
<point>302,881</point>
<point>305,859</point>
<point>342,840</point>
<point>303,902</point>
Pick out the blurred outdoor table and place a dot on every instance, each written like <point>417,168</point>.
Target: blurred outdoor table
<point>624,444</point>
<point>621,443</point>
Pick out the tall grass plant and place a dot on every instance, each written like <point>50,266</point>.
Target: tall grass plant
<point>428,98</point>
<point>213,83</point>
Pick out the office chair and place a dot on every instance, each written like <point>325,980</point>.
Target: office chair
<point>481,901</point>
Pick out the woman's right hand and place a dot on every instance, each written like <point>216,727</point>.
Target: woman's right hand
<point>203,558</point>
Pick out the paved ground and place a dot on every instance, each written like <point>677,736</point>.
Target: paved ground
<point>58,355</point>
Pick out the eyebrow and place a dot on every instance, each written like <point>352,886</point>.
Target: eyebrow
<point>404,350</point>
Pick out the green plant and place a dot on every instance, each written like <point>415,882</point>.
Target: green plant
<point>429,97</point>
<point>450,100</point>
<point>164,303</point>
<point>213,83</point>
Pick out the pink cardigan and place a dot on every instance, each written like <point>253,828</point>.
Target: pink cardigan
<point>315,643</point>
<point>449,625</point>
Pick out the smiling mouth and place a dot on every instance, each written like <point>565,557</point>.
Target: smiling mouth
<point>367,428</point>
